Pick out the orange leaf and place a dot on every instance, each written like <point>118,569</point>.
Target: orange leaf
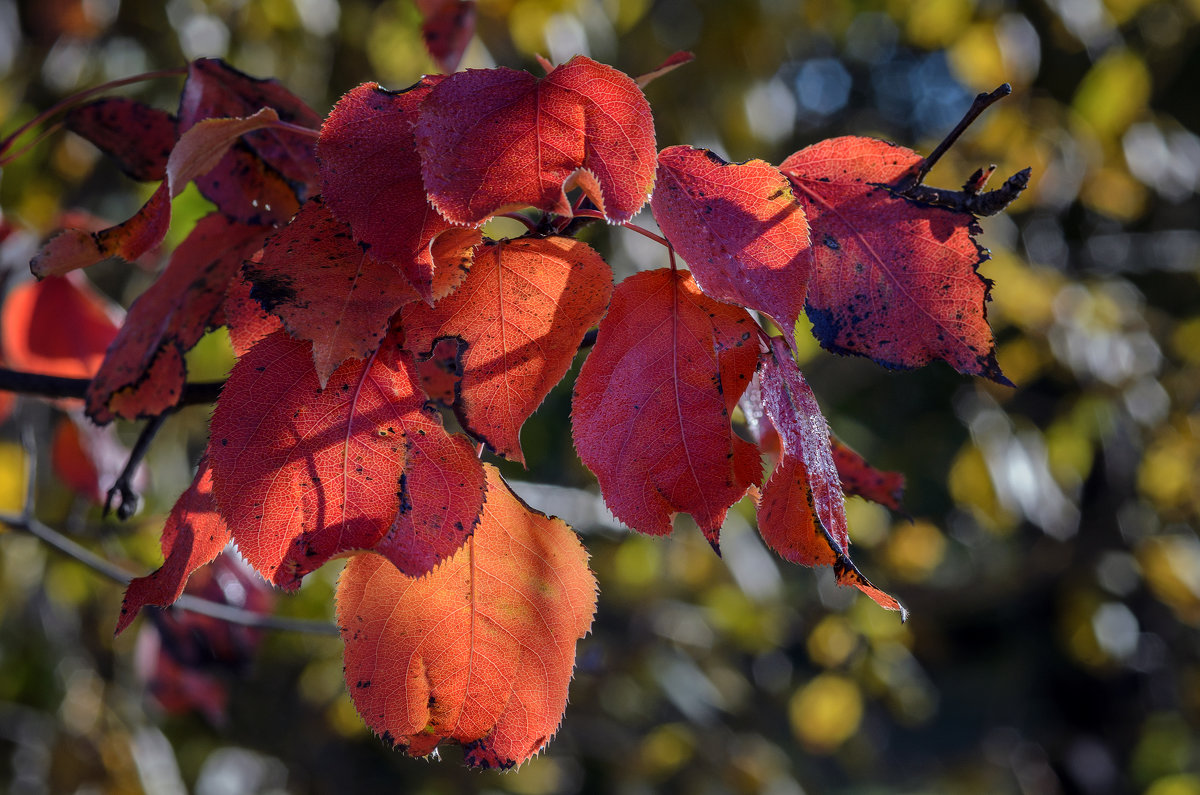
<point>491,139</point>
<point>652,404</point>
<point>37,337</point>
<point>894,280</point>
<point>480,650</point>
<point>327,288</point>
<point>303,474</point>
<point>522,313</point>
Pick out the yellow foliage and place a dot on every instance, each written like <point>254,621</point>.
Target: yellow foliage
<point>1114,93</point>
<point>936,23</point>
<point>1167,476</point>
<point>1171,567</point>
<point>826,712</point>
<point>832,641</point>
<point>12,478</point>
<point>667,748</point>
<point>1179,784</point>
<point>976,58</point>
<point>915,549</point>
<point>1115,193</point>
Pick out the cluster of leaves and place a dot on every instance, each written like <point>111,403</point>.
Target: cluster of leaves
<point>346,258</point>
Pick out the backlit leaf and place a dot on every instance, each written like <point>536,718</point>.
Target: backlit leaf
<point>739,228</point>
<point>498,138</point>
<point>802,513</point>
<point>194,535</point>
<point>248,322</point>
<point>137,136</point>
<point>371,178</point>
<point>894,280</point>
<point>327,288</point>
<point>652,404</point>
<point>863,480</point>
<point>480,650</point>
<point>143,373</point>
<point>521,313</point>
<point>303,474</point>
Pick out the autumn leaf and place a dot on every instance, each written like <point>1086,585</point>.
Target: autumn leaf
<point>266,176</point>
<point>303,474</point>
<point>584,124</point>
<point>36,338</point>
<point>521,313</point>
<point>194,535</point>
<point>739,227</point>
<point>198,150</point>
<point>447,27</point>
<point>863,480</point>
<point>673,62</point>
<point>247,321</point>
<point>652,404</point>
<point>371,179</point>
<point>894,280</point>
<point>326,288</point>
<point>143,373</point>
<point>802,513</point>
<point>480,650</point>
<point>135,135</point>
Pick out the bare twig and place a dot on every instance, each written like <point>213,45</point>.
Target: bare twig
<point>124,483</point>
<point>53,386</point>
<point>982,102</point>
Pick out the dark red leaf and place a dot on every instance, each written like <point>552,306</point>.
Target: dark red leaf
<point>193,536</point>
<point>497,138</point>
<point>326,288</point>
<point>198,150</point>
<point>303,474</point>
<point>521,313</point>
<point>673,62</point>
<point>863,480</point>
<point>739,228</point>
<point>137,136</point>
<point>447,28</point>
<point>894,280</point>
<point>478,651</point>
<point>441,371</point>
<point>652,404</point>
<point>214,89</point>
<point>371,179</point>
<point>143,373</point>
<point>36,338</point>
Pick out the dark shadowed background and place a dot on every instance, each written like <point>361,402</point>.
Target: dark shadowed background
<point>1051,564</point>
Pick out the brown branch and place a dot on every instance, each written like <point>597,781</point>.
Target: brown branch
<point>123,486</point>
<point>53,386</point>
<point>982,102</point>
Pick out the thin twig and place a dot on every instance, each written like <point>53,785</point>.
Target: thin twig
<point>299,129</point>
<point>53,386</point>
<point>982,102</point>
<point>43,135</point>
<point>123,486</point>
<point>79,96</point>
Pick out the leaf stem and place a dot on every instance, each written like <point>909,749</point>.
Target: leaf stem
<point>296,128</point>
<point>43,135</point>
<point>79,96</point>
<point>982,102</point>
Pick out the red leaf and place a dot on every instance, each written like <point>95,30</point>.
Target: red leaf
<point>863,480</point>
<point>894,280</point>
<point>326,288</point>
<point>36,338</point>
<point>198,150</point>
<point>802,514</point>
<point>371,179</point>
<point>521,313</point>
<point>447,28</point>
<point>214,89</point>
<point>673,62</point>
<point>193,536</point>
<point>480,650</point>
<point>137,136</point>
<point>652,404</point>
<point>144,372</point>
<point>248,322</point>
<point>441,371</point>
<point>303,474</point>
<point>497,138</point>
<point>739,228</point>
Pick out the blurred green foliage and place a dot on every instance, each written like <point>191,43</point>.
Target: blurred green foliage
<point>1052,568</point>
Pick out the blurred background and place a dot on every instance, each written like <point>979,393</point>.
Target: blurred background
<point>1051,564</point>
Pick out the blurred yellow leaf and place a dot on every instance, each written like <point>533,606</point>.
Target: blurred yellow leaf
<point>1113,93</point>
<point>936,23</point>
<point>914,550</point>
<point>826,712</point>
<point>832,641</point>
<point>12,478</point>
